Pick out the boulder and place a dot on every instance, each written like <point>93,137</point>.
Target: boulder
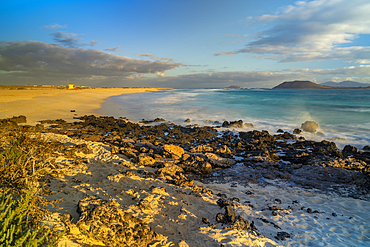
<point>233,124</point>
<point>297,131</point>
<point>217,161</point>
<point>349,150</point>
<point>224,150</point>
<point>204,167</point>
<point>144,160</point>
<point>309,126</point>
<point>202,149</point>
<point>170,169</point>
<point>174,150</point>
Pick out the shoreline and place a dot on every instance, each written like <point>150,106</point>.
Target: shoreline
<point>42,103</point>
<point>181,188</point>
<point>195,186</point>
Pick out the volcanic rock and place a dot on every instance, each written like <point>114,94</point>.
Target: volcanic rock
<point>233,124</point>
<point>110,223</point>
<point>217,161</point>
<point>176,151</point>
<point>309,126</point>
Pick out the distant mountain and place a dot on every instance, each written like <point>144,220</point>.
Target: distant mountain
<point>300,85</point>
<point>345,84</point>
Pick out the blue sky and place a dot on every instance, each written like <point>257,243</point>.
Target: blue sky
<point>184,44</point>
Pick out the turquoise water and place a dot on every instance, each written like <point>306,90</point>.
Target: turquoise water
<point>343,115</point>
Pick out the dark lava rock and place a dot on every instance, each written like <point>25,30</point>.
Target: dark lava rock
<point>233,124</point>
<point>205,220</point>
<point>223,203</point>
<point>297,131</point>
<point>12,122</point>
<point>349,150</point>
<point>110,223</point>
<point>280,131</point>
<point>19,119</point>
<point>57,121</point>
<point>229,214</point>
<point>282,235</point>
<point>240,224</point>
<point>277,200</point>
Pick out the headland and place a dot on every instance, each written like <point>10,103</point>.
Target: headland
<point>310,85</point>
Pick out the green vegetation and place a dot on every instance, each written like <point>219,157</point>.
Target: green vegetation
<point>14,217</point>
<point>25,159</point>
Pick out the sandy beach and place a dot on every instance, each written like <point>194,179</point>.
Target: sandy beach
<point>163,188</point>
<point>53,103</point>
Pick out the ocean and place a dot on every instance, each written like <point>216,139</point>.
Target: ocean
<point>343,115</point>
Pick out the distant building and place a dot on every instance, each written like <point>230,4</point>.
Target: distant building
<point>71,86</point>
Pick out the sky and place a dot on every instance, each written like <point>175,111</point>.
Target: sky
<point>183,43</point>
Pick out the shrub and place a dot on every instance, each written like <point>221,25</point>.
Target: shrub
<point>25,158</point>
<point>14,217</point>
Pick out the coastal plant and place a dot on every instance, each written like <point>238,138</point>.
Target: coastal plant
<point>14,216</point>
<point>25,159</point>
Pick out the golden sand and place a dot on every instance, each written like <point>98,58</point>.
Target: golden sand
<point>53,103</point>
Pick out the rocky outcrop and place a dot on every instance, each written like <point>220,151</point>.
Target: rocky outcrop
<point>236,124</point>
<point>201,150</point>
<point>109,223</point>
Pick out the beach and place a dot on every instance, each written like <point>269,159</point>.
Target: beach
<point>41,103</point>
<point>171,185</point>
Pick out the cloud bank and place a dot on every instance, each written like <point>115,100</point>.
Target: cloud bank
<point>32,60</point>
<point>312,31</point>
<point>262,79</point>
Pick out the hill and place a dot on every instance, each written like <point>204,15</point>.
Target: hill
<point>300,85</point>
<point>345,84</point>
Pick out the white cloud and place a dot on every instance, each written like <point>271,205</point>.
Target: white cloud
<point>160,74</point>
<point>53,27</point>
<point>314,30</point>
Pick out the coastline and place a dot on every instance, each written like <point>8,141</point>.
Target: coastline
<point>169,187</point>
<point>54,103</point>
<point>194,186</point>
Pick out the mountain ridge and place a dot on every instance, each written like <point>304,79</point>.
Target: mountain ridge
<point>344,84</point>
